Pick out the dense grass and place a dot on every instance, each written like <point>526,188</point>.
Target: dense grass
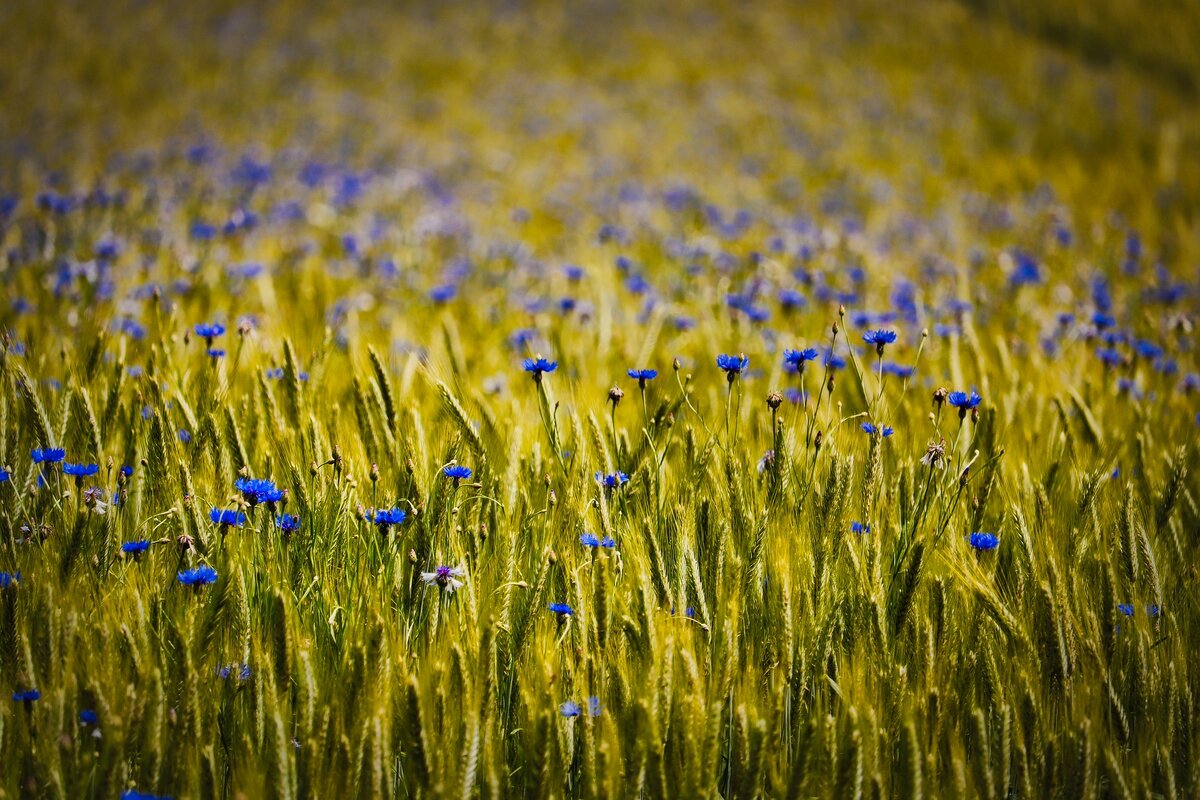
<point>385,214</point>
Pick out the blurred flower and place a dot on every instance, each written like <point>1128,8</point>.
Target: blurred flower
<point>257,490</point>
<point>984,541</point>
<point>611,481</point>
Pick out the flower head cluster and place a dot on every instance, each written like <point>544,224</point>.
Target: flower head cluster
<point>593,541</point>
<point>879,338</point>
<point>572,709</point>
<point>964,402</point>
<point>562,609</point>
<point>47,455</point>
<point>613,480</point>
<point>227,517</point>
<point>386,518</point>
<point>984,541</point>
<point>642,375</point>
<point>257,490</point>
<point>80,470</point>
<point>871,429</point>
<point>209,331</point>
<point>457,473</point>
<point>198,577</point>
<point>537,366</point>
<point>288,523</point>
<point>241,671</point>
<point>733,366</point>
<point>135,548</point>
<point>797,358</point>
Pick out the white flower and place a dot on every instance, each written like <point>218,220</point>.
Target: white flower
<point>445,577</point>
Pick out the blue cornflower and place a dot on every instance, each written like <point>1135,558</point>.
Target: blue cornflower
<point>964,402</point>
<point>242,671</point>
<point>48,455</point>
<point>457,473</point>
<point>899,370</point>
<point>790,299</point>
<point>8,579</point>
<point>288,523</point>
<point>257,490</point>
<point>879,338</point>
<point>134,794</point>
<point>1153,610</point>
<point>562,609</point>
<point>594,707</point>
<point>593,541</point>
<point>1147,349</point>
<point>26,696</point>
<point>136,547</point>
<point>860,527</point>
<point>88,717</point>
<point>80,470</point>
<point>185,436</point>
<point>796,358</point>
<point>1125,608</point>
<point>795,396</point>
<point>833,362</point>
<point>984,541</point>
<point>384,519</point>
<point>209,331</point>
<point>570,709</point>
<point>612,481</point>
<point>1110,357</point>
<point>870,429</point>
<point>733,365</point>
<point>4,476</point>
<point>642,375</point>
<point>227,517</point>
<point>198,577</point>
<point>214,353</point>
<point>536,366</point>
<point>127,471</point>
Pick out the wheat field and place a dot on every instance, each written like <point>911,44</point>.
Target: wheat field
<point>599,400</point>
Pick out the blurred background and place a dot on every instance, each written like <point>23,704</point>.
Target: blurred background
<point>1097,98</point>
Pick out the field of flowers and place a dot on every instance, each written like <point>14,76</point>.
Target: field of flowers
<point>613,400</point>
